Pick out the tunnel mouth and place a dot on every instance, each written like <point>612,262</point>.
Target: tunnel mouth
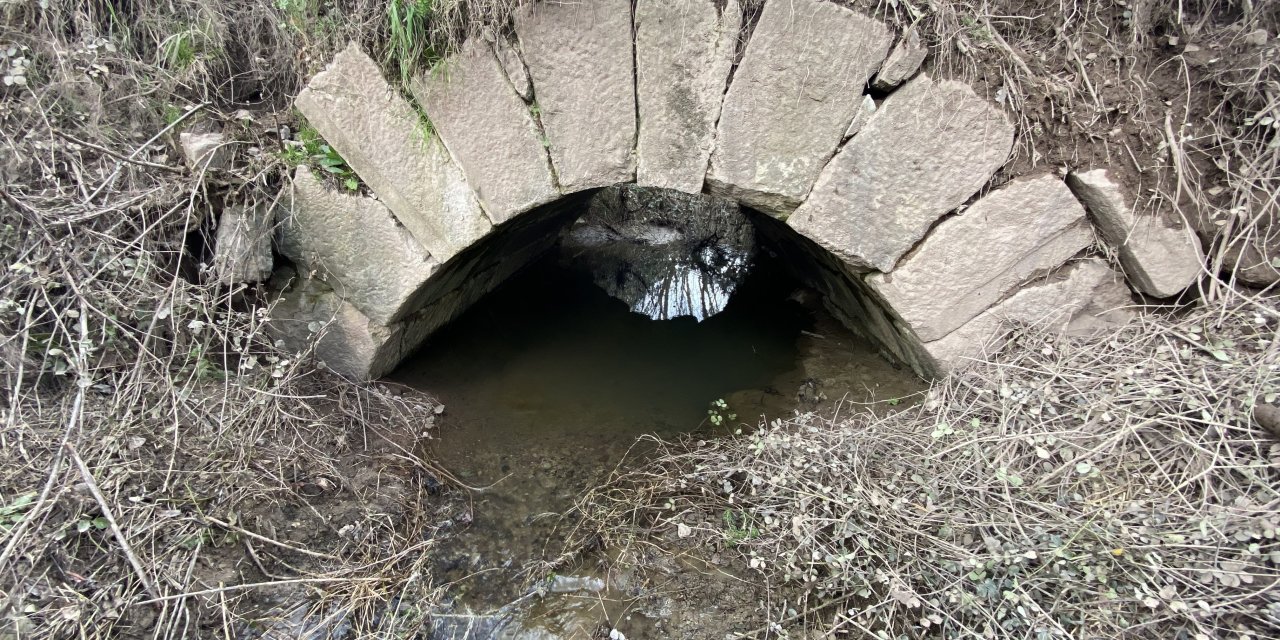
<point>552,379</point>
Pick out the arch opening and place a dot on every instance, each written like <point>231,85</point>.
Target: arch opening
<point>549,379</point>
<point>664,253</point>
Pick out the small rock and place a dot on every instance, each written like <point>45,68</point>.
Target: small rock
<point>205,150</point>
<point>616,635</point>
<point>1268,417</point>
<point>1257,37</point>
<point>906,58</point>
<point>860,117</point>
<point>243,248</point>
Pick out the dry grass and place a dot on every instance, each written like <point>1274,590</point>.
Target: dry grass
<point>1108,487</point>
<point>155,438</point>
<point>1172,96</point>
<point>166,469</point>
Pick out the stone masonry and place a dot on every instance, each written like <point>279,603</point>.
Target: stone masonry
<point>489,130</point>
<point>1159,260</point>
<point>382,137</point>
<point>582,63</point>
<point>791,101</point>
<point>887,209</point>
<point>683,53</point>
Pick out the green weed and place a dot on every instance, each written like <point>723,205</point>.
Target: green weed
<point>12,513</point>
<point>719,413</point>
<point>409,45</point>
<point>739,527</point>
<point>182,50</point>
<point>311,150</point>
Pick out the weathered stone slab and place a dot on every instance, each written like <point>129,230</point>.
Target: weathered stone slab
<point>1159,260</point>
<point>580,58</point>
<point>926,150</point>
<point>968,262</point>
<point>205,151</point>
<point>860,117</point>
<point>684,50</point>
<point>358,248</point>
<point>903,62</point>
<point>1110,307</point>
<point>791,100</point>
<point>243,245</point>
<point>1050,304</point>
<point>489,130</point>
<point>345,340</point>
<point>382,138</point>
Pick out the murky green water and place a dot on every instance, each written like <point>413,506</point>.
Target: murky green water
<point>549,381</point>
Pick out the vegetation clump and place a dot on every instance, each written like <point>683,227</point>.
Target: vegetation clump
<point>1116,486</point>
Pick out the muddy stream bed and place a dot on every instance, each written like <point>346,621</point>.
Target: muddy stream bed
<point>547,385</point>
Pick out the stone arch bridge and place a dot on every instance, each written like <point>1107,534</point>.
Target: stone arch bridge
<point>876,198</point>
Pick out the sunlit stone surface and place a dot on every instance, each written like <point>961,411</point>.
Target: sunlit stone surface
<point>666,254</point>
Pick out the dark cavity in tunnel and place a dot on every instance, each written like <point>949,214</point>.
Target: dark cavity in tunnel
<point>655,313</point>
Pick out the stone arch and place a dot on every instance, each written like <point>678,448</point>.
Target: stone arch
<point>475,176</point>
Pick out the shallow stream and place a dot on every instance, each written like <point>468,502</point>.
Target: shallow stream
<point>547,384</point>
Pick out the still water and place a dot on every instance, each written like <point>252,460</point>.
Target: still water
<point>548,382</point>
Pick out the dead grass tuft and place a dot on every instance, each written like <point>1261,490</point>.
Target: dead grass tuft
<point>166,468</point>
<point>1108,487</point>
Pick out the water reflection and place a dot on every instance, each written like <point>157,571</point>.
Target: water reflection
<point>664,253</point>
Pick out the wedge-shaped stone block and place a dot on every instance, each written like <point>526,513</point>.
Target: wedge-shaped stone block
<point>1050,304</point>
<point>345,340</point>
<point>367,257</point>
<point>791,100</point>
<point>580,58</point>
<point>513,66</point>
<point>1159,260</point>
<point>684,49</point>
<point>968,262</point>
<point>489,130</point>
<point>1110,307</point>
<point>903,62</point>
<point>206,151</point>
<point>926,150</point>
<point>243,249</point>
<point>381,136</point>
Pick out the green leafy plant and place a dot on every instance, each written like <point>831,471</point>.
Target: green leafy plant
<point>739,527</point>
<point>409,43</point>
<point>84,524</point>
<point>311,150</point>
<point>719,413</point>
<point>12,513</point>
